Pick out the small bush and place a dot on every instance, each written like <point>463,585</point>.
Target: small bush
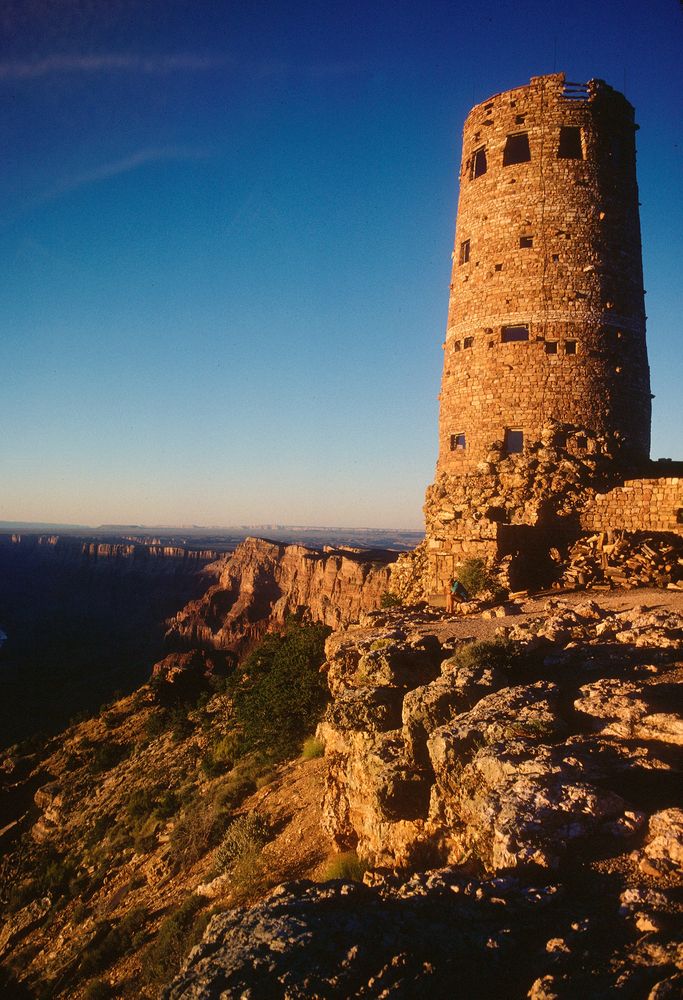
<point>247,835</point>
<point>474,576</point>
<point>285,693</point>
<point>178,932</point>
<point>106,756</point>
<point>389,600</point>
<point>197,831</point>
<point>346,866</point>
<point>499,654</point>
<point>312,748</point>
<point>166,805</point>
<point>110,941</point>
<point>98,989</point>
<point>220,756</point>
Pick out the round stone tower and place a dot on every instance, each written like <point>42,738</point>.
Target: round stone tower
<point>546,316</point>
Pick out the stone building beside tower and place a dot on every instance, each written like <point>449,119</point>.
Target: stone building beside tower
<point>545,400</point>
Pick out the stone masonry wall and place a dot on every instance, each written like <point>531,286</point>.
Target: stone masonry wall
<point>552,244</point>
<point>638,505</point>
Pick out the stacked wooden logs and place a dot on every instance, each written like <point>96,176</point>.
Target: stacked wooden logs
<point>611,559</point>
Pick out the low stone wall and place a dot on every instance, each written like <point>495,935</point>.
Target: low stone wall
<point>638,505</point>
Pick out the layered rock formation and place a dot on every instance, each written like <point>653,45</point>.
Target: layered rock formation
<point>507,751</point>
<point>263,582</point>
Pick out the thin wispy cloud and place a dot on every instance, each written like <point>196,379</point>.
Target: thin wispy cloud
<point>159,65</point>
<point>141,158</point>
<point>29,69</point>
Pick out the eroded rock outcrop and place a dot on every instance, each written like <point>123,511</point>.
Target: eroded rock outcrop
<point>263,582</point>
<point>506,752</point>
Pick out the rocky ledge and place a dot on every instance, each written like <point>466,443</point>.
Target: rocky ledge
<point>515,794</point>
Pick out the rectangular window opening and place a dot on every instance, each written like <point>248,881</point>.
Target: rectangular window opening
<point>464,251</point>
<point>456,345</point>
<point>467,342</point>
<point>679,515</point>
<point>519,119</point>
<point>551,347</point>
<point>570,347</point>
<point>570,147</point>
<point>516,149</point>
<point>458,442</point>
<point>510,334</point>
<point>514,440</point>
<point>526,242</point>
<point>478,165</point>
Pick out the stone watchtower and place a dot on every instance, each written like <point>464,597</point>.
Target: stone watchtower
<point>546,316</point>
<point>545,398</point>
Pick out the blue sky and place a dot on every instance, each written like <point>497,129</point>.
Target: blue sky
<point>226,232</point>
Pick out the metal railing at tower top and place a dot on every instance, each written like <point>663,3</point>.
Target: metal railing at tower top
<point>575,91</point>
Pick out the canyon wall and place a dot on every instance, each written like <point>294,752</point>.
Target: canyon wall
<point>264,582</point>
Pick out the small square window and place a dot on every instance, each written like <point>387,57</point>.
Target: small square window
<point>467,342</point>
<point>464,251</point>
<point>581,442</point>
<point>570,147</point>
<point>478,165</point>
<point>497,267</point>
<point>519,119</point>
<point>570,347</point>
<point>516,149</point>
<point>556,257</point>
<point>514,440</point>
<point>526,242</point>
<point>551,347</point>
<point>509,334</point>
<point>458,442</point>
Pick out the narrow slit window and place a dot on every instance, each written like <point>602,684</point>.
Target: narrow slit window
<point>516,149</point>
<point>467,342</point>
<point>510,334</point>
<point>464,251</point>
<point>570,347</point>
<point>514,440</point>
<point>679,515</point>
<point>478,166</point>
<point>456,345</point>
<point>570,147</point>
<point>458,442</point>
<point>551,347</point>
<point>526,242</point>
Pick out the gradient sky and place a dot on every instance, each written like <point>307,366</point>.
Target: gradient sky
<point>226,231</point>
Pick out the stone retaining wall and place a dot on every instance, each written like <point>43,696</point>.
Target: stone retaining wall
<point>638,505</point>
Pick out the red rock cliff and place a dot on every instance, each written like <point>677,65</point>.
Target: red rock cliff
<point>263,582</point>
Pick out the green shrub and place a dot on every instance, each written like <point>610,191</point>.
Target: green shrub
<point>500,654</point>
<point>166,805</point>
<point>157,723</point>
<point>178,932</point>
<point>473,574</point>
<point>347,866</point>
<point>98,989</point>
<point>107,755</point>
<point>285,694</point>
<point>389,600</point>
<point>110,941</point>
<point>197,831</point>
<point>313,747</point>
<point>246,835</point>
<point>220,756</point>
